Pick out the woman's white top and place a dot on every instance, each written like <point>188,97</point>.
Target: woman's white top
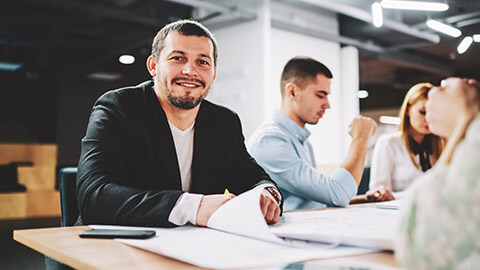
<point>392,166</point>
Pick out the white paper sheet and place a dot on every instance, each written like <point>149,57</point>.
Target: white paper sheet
<point>226,246</point>
<point>243,216</point>
<point>364,227</point>
<point>220,250</point>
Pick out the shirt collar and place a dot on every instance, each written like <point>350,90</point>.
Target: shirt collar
<point>293,128</point>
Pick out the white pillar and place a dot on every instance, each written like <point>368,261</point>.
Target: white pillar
<point>349,94</point>
<point>243,66</point>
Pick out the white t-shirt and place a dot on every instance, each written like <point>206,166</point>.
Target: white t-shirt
<point>392,166</point>
<point>184,147</point>
<point>186,208</point>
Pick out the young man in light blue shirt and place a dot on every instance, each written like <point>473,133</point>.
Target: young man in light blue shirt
<point>281,144</point>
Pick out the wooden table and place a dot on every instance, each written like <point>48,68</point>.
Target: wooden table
<point>64,245</point>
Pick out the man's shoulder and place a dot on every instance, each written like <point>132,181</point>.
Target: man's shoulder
<point>272,127</point>
<point>267,131</point>
<point>217,111</point>
<point>128,91</point>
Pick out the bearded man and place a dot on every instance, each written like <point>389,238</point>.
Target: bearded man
<point>158,154</point>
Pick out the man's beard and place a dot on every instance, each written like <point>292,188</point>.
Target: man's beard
<point>186,102</point>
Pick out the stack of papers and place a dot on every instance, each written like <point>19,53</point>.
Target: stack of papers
<point>237,236</point>
<point>363,227</point>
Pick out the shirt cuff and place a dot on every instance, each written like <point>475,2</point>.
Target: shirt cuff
<point>346,180</point>
<point>185,209</point>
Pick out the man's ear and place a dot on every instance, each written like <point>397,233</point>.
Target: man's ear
<point>290,90</point>
<point>151,65</point>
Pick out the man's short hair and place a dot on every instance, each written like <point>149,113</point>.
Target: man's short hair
<point>301,70</point>
<point>186,28</point>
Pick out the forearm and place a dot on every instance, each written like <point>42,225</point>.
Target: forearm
<point>109,203</point>
<point>355,160</point>
<point>334,190</point>
<point>359,199</point>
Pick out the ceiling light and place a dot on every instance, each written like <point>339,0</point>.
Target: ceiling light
<point>414,5</point>
<point>362,94</point>
<point>476,37</point>
<point>444,28</point>
<point>104,76</point>
<point>377,14</point>
<point>390,120</point>
<point>7,66</point>
<point>127,59</point>
<point>464,44</point>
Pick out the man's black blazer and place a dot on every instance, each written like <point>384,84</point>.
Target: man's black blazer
<point>128,171</point>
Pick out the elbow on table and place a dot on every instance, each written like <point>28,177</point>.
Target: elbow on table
<point>341,202</point>
<point>341,199</point>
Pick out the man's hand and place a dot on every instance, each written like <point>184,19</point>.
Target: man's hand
<point>208,205</point>
<point>270,208</point>
<point>379,195</point>
<point>362,127</point>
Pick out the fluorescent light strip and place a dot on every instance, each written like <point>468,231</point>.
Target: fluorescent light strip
<point>476,37</point>
<point>104,76</point>
<point>464,45</point>
<point>377,14</point>
<point>389,120</point>
<point>444,28</point>
<point>414,5</point>
<point>10,66</point>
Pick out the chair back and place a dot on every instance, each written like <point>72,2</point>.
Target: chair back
<point>365,182</point>
<point>68,196</point>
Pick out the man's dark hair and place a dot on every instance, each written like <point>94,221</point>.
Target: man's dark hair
<point>301,70</point>
<point>186,28</point>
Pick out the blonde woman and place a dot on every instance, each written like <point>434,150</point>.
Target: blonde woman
<point>402,156</point>
<point>440,220</point>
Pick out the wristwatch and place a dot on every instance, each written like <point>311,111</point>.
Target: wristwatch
<point>275,193</point>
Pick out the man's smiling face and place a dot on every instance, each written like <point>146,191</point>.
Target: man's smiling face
<point>185,69</point>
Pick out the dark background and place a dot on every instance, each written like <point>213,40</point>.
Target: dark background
<point>63,43</point>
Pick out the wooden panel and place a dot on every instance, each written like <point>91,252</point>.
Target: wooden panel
<point>37,177</point>
<point>39,154</point>
<point>43,203</point>
<point>29,204</point>
<point>13,205</point>
<point>41,199</point>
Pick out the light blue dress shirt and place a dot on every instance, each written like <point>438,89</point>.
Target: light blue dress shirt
<point>281,147</point>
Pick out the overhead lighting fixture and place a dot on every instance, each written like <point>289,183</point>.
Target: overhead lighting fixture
<point>362,94</point>
<point>414,5</point>
<point>7,66</point>
<point>126,59</point>
<point>444,28</point>
<point>104,76</point>
<point>377,14</point>
<point>476,37</point>
<point>390,120</point>
<point>464,45</point>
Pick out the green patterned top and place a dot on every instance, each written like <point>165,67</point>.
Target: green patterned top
<point>440,224</point>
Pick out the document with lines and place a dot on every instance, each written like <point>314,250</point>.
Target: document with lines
<point>237,237</point>
<point>356,226</point>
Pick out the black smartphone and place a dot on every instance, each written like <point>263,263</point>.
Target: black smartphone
<point>113,233</point>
